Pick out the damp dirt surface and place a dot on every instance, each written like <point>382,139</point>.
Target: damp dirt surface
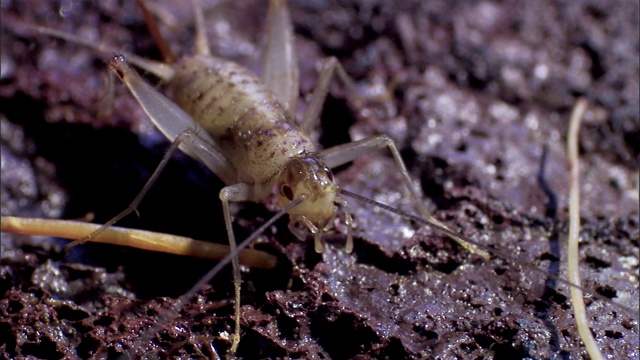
<point>477,96</point>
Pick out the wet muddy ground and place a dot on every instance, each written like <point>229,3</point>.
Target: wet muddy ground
<point>477,96</point>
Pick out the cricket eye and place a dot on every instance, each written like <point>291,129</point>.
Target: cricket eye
<point>330,175</point>
<point>287,192</point>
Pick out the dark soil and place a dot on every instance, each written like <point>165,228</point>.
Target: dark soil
<point>477,96</point>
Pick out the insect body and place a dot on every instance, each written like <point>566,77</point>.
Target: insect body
<point>258,137</point>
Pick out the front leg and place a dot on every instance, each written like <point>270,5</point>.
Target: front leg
<point>236,192</point>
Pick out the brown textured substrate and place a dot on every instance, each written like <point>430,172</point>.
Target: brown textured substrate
<point>479,95</point>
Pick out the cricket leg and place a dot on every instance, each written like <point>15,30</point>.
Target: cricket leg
<point>238,192</point>
<point>345,153</point>
<point>330,67</point>
<point>280,63</point>
<point>177,126</point>
<point>188,137</point>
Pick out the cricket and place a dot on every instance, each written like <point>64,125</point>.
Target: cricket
<point>250,132</point>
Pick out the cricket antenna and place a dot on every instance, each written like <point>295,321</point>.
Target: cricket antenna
<point>496,252</point>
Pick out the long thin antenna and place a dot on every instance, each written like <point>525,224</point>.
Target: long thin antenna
<point>497,252</point>
<point>159,69</point>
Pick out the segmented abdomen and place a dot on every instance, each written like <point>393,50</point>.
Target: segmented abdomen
<point>245,118</point>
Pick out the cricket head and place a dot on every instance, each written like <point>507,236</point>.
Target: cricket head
<point>308,177</point>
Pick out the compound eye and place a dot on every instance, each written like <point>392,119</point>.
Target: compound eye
<point>329,174</point>
<point>287,192</point>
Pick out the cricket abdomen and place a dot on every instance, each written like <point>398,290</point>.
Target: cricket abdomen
<point>244,117</point>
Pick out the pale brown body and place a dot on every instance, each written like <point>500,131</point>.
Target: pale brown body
<point>243,117</point>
